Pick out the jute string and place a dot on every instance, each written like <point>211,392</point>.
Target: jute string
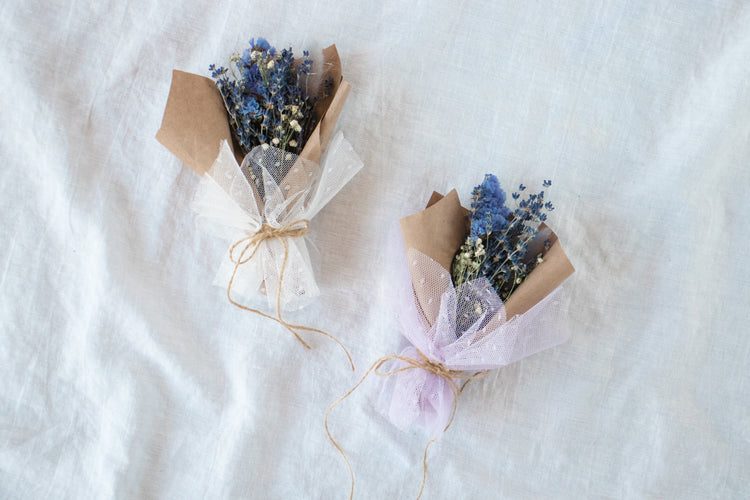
<point>295,229</point>
<point>424,363</point>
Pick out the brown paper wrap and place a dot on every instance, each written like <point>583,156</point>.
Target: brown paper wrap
<point>440,230</point>
<point>195,120</point>
<point>195,123</point>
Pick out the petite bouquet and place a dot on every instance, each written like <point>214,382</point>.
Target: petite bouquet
<point>481,289</point>
<point>260,133</point>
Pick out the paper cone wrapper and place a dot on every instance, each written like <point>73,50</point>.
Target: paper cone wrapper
<point>195,120</point>
<point>439,231</point>
<point>239,194</point>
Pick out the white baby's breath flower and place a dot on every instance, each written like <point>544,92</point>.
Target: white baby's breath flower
<point>293,143</point>
<point>270,64</point>
<point>275,141</point>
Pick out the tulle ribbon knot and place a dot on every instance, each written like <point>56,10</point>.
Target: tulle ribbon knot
<point>296,229</point>
<point>423,363</point>
<point>431,315</point>
<point>263,207</point>
<point>267,232</point>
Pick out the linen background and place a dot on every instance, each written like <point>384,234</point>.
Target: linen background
<point>124,373</point>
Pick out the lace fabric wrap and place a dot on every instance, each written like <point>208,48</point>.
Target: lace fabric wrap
<point>276,188</point>
<point>464,329</point>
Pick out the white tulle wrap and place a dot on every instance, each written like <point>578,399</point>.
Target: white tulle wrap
<point>276,188</point>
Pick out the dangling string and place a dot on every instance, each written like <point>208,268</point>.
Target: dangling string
<point>253,241</point>
<point>424,363</point>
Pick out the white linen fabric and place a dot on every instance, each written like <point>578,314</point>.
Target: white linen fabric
<point>125,374</point>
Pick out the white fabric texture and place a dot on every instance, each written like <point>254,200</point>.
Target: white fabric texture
<point>125,374</point>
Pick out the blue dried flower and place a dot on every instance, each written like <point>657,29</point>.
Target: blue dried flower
<point>488,210</point>
<point>497,247</point>
<point>261,44</point>
<point>265,97</point>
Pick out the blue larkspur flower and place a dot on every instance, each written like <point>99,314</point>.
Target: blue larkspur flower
<point>488,210</point>
<point>265,95</point>
<point>499,243</point>
<point>250,107</point>
<point>260,43</point>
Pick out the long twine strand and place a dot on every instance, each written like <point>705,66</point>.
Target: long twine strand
<point>267,232</point>
<point>424,363</point>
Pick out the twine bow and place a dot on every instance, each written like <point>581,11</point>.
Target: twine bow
<point>295,229</point>
<point>423,363</point>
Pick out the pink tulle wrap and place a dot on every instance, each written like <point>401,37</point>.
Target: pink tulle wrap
<point>470,333</point>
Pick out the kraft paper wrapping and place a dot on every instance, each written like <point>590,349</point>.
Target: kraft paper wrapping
<point>440,230</point>
<point>195,120</point>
